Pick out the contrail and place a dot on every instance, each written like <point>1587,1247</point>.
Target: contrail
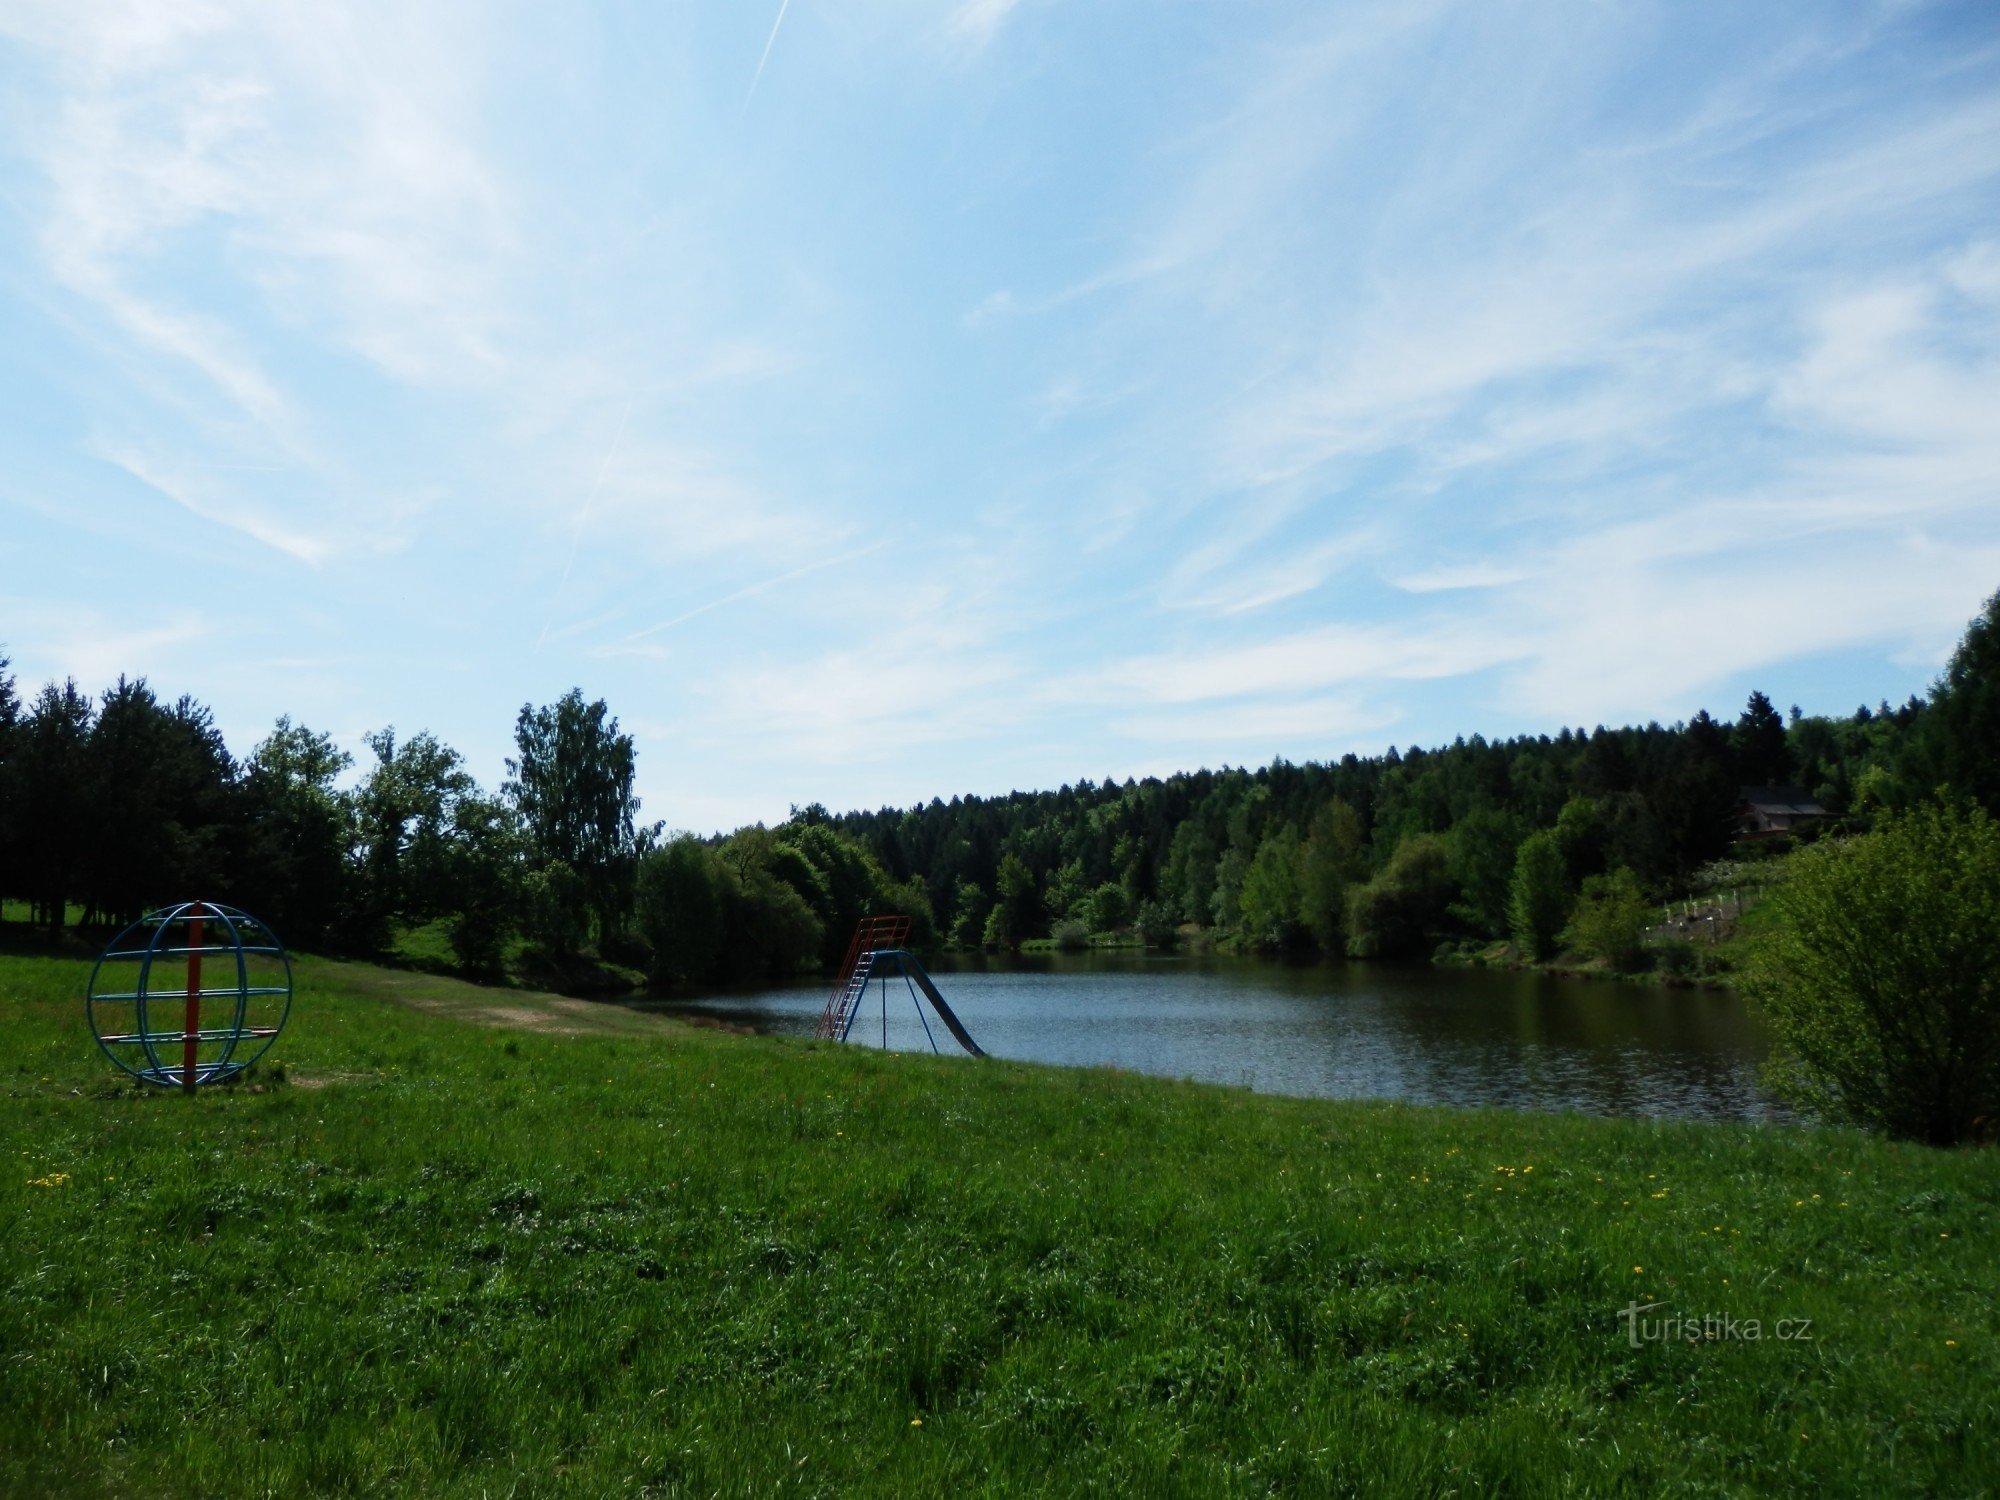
<point>583,515</point>
<point>769,42</point>
<point>753,589</point>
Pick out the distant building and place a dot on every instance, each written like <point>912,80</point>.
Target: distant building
<point>1763,811</point>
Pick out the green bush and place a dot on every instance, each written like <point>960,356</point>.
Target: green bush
<point>1610,920</point>
<point>1154,922</point>
<point>1394,914</point>
<point>1676,956</point>
<point>558,911</point>
<point>1071,935</point>
<point>1881,981</point>
<point>1109,910</point>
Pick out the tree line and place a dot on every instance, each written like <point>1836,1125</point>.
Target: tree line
<point>114,804</point>
<point>1544,840</point>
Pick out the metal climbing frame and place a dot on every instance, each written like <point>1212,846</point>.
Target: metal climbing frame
<point>163,1015</point>
<point>873,934</point>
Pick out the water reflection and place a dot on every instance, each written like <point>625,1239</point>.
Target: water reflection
<point>1331,1030</point>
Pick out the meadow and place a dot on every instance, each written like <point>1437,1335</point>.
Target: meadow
<point>458,1241</point>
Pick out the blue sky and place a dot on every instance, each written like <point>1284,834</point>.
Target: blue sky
<point>906,397</point>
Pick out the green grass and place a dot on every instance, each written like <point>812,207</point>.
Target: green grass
<point>607,1254</point>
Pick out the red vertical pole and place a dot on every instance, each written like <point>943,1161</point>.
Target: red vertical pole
<point>191,1025</point>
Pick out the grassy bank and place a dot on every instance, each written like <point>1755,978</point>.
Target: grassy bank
<point>492,1242</point>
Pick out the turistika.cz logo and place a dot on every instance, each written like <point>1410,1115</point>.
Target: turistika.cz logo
<point>1718,1328</point>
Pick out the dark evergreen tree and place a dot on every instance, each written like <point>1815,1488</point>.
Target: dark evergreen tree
<point>1957,740</point>
<point>50,785</point>
<point>156,824</point>
<point>1763,751</point>
<point>10,714</point>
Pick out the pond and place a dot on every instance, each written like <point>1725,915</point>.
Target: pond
<point>1330,1030</point>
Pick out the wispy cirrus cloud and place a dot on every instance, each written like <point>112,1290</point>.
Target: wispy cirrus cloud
<point>1516,382</point>
<point>1022,388</point>
<point>978,21</point>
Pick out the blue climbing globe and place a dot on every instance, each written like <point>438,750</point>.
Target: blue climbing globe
<point>190,995</point>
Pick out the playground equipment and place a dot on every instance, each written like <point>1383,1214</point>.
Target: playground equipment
<point>190,994</point>
<point>877,949</point>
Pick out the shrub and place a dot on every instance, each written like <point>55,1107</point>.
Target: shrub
<point>1676,956</point>
<point>970,905</point>
<point>1155,924</point>
<point>1610,920</point>
<point>1071,935</point>
<point>1882,980</point>
<point>479,937</point>
<point>558,911</point>
<point>1109,910</point>
<point>998,931</point>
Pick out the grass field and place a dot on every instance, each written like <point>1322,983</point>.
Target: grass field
<point>471,1242</point>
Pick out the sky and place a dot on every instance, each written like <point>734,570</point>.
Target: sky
<point>888,399</point>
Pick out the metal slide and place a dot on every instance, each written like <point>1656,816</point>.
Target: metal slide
<point>915,972</point>
<point>879,962</point>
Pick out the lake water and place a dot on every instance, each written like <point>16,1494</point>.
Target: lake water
<point>1330,1030</point>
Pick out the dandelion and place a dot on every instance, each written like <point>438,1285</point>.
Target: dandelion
<point>53,1180</point>
<point>1951,1343</point>
<point>916,1421</point>
<point>1637,1269</point>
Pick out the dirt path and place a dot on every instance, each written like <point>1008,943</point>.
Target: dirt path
<point>480,1005</point>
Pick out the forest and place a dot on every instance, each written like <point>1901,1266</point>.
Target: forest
<point>115,804</point>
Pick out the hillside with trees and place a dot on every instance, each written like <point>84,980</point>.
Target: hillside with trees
<point>113,804</point>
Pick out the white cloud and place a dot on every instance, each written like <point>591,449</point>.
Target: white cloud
<point>1626,642</point>
<point>1253,732</point>
<point>977,21</point>
<point>95,645</point>
<point>1301,661</point>
<point>205,495</point>
<point>1481,574</point>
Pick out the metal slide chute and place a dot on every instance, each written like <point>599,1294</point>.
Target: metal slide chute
<point>914,972</point>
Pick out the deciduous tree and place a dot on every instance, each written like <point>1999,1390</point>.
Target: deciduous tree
<point>572,783</point>
<point>1881,979</point>
<point>1538,897</point>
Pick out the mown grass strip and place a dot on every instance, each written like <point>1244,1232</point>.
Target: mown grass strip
<point>577,1251</point>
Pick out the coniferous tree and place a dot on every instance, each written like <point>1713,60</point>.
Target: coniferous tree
<point>1957,740</point>
<point>50,786</point>
<point>10,713</point>
<point>1763,752</point>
